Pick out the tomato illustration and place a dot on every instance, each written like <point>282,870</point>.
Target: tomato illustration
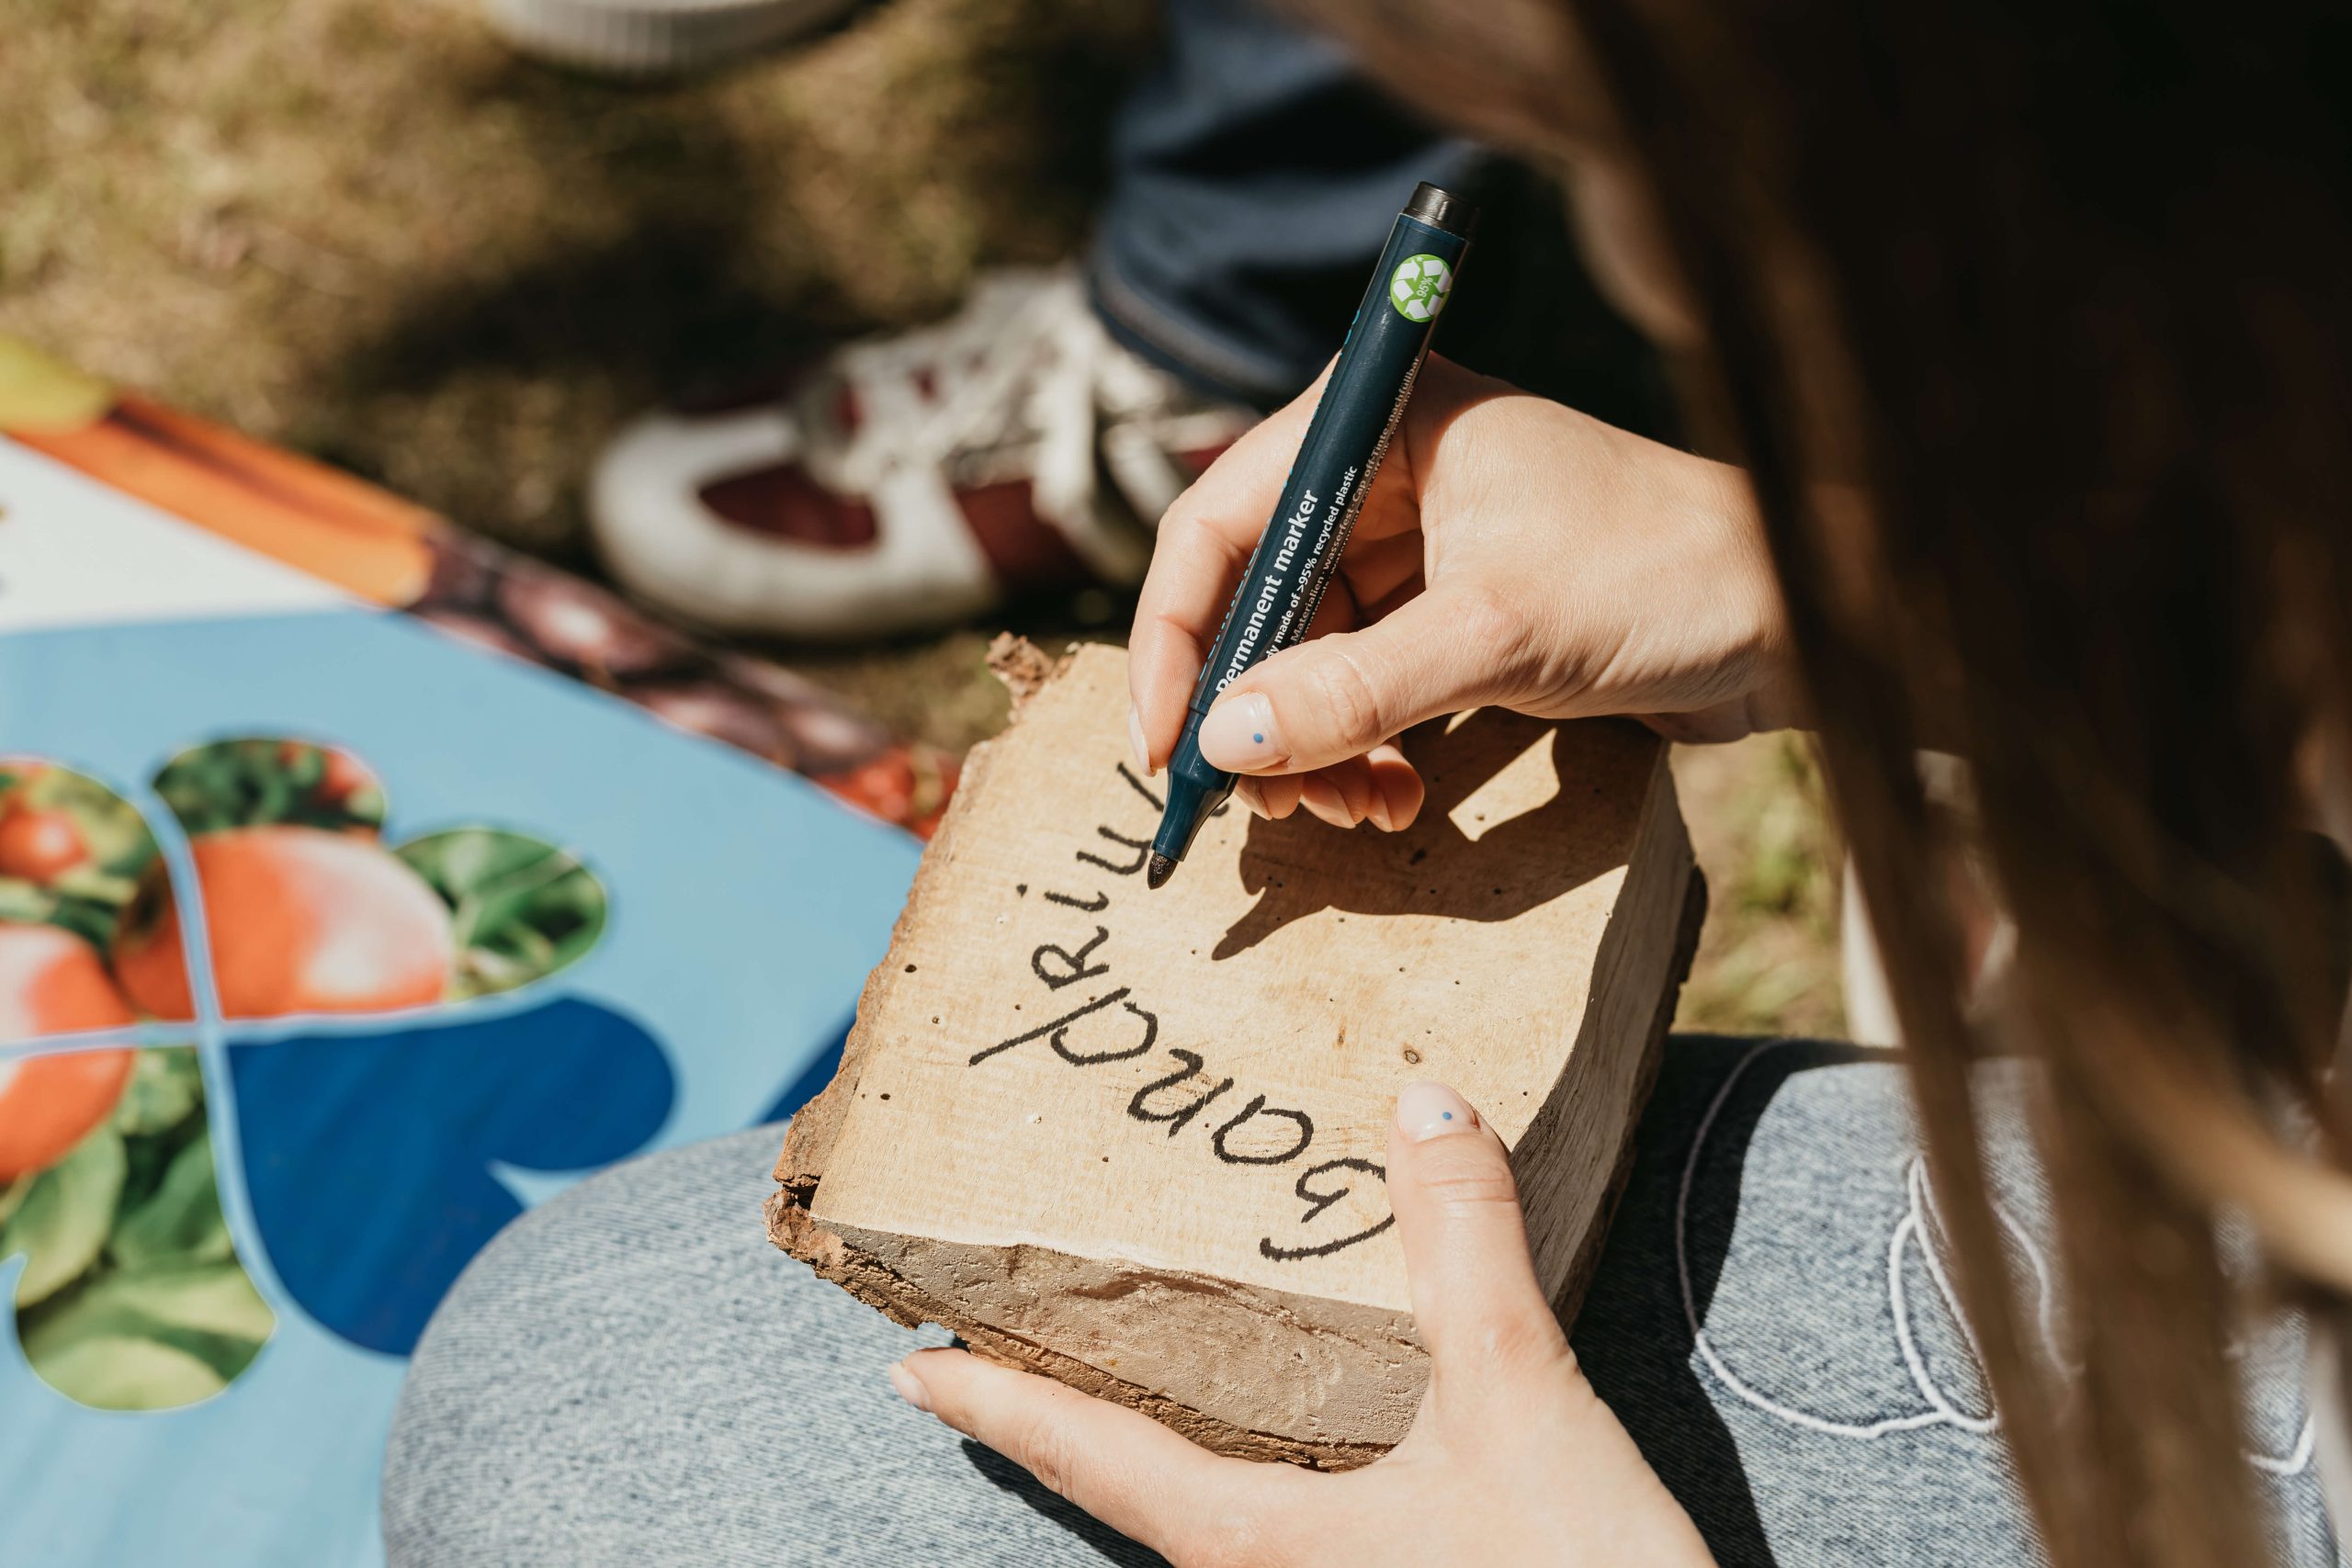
<point>341,775</point>
<point>50,1103</point>
<point>344,776</point>
<point>40,845</point>
<point>300,919</point>
<point>52,982</point>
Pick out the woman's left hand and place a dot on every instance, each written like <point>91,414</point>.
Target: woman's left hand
<point>1512,1458</point>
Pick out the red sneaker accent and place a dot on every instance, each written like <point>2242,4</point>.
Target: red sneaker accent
<point>1022,551</point>
<point>784,502</point>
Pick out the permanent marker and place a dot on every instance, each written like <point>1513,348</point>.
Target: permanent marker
<point>1345,441</point>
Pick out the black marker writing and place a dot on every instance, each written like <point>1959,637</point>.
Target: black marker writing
<point>1279,1135</point>
<point>1141,788</point>
<point>1317,1203</point>
<point>1057,1033</point>
<point>1142,848</point>
<point>1190,1068</point>
<point>1073,965</point>
<point>1258,1106</point>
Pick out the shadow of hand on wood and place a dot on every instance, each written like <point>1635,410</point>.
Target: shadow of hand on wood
<point>1475,853</point>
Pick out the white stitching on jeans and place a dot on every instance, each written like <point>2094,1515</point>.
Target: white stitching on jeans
<point>2294,1464</point>
<point>1914,1225</point>
<point>1698,1340</point>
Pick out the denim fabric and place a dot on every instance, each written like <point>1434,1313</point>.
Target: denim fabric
<point>630,1374</point>
<point>1254,177</point>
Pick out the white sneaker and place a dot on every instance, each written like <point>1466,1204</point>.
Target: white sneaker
<point>910,482</point>
<point>652,38</point>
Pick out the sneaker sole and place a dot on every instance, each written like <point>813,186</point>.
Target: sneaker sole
<point>652,38</point>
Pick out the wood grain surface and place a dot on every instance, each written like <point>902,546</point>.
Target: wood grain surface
<point>1134,1138</point>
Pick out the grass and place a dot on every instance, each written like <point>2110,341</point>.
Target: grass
<point>366,230</point>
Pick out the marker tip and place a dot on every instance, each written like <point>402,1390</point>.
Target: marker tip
<point>1160,870</point>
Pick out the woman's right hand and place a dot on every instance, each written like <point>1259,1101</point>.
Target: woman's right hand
<point>1510,551</point>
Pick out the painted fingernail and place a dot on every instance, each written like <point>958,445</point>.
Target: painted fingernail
<point>1135,739</point>
<point>1428,1109</point>
<point>1239,734</point>
<point>910,1387</point>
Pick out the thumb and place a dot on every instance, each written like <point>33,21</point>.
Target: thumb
<point>1476,1298</point>
<point>1336,697</point>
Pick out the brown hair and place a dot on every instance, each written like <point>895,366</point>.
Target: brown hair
<point>2033,324</point>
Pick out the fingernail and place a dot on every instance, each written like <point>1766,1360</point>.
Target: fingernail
<point>1322,798</point>
<point>1377,811</point>
<point>1428,1109</point>
<point>910,1387</point>
<point>1239,735</point>
<point>1253,798</point>
<point>1135,739</point>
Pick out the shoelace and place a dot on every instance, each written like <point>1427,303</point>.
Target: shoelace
<point>1025,364</point>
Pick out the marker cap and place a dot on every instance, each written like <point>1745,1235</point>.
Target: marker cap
<point>1443,210</point>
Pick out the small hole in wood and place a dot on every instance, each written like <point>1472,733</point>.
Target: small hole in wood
<point>1412,1056</point>
<point>911,968</point>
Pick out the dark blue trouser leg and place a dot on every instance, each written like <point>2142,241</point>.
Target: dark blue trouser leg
<point>1255,175</point>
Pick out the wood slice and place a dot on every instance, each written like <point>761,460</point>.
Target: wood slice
<point>1134,1139</point>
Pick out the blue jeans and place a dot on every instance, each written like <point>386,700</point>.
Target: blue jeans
<point>631,1374</point>
<point>1253,178</point>
<point>1254,175</point>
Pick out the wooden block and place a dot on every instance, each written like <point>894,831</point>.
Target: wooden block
<point>1134,1139</point>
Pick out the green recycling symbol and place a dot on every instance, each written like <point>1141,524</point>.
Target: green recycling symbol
<point>1418,287</point>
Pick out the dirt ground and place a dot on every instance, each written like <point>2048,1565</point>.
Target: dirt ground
<point>368,232</point>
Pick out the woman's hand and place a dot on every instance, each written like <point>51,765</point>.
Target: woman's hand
<point>1510,551</point>
<point>1512,1460</point>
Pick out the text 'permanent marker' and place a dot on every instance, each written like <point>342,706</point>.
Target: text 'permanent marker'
<point>1349,436</point>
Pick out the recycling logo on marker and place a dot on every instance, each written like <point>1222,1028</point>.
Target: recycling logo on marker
<point>1418,287</point>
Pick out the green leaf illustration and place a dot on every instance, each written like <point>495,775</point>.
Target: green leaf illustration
<point>255,782</point>
<point>63,1220</point>
<point>167,1088</point>
<point>127,1373</point>
<point>150,1339</point>
<point>133,1298</point>
<point>521,908</point>
<point>12,1198</point>
<point>180,1222</point>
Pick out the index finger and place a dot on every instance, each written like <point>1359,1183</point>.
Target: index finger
<point>1204,541</point>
